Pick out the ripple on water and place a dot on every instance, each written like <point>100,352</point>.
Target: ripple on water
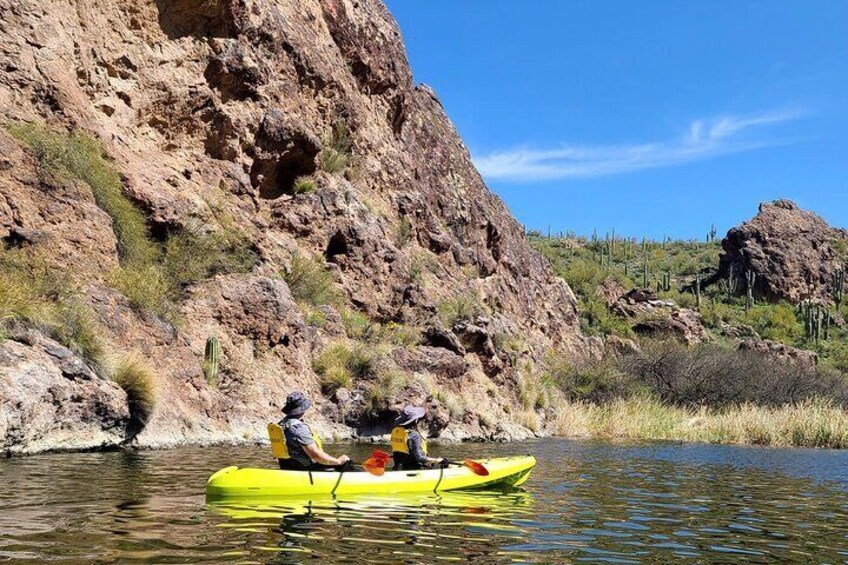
<point>586,502</point>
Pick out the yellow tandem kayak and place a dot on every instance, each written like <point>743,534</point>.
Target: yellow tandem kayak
<point>244,483</point>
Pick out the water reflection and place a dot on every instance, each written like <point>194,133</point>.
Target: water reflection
<point>586,502</point>
<point>449,526</point>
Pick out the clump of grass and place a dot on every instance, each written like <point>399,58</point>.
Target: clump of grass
<point>136,377</point>
<point>77,156</point>
<point>35,296</point>
<point>452,403</point>
<point>146,289</point>
<point>20,303</point>
<point>514,346</point>
<point>339,365</point>
<point>359,326</point>
<point>530,420</point>
<point>315,317</point>
<point>77,329</point>
<point>533,391</point>
<point>150,275</point>
<point>460,309</point>
<point>401,334</point>
<point>195,255</point>
<point>310,282</point>
<point>304,185</point>
<point>404,233</point>
<point>379,393</point>
<point>335,156</point>
<point>422,262</point>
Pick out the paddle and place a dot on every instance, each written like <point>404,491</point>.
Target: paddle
<point>474,466</point>
<point>375,465</point>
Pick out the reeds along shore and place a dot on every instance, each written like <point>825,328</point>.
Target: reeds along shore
<point>812,423</point>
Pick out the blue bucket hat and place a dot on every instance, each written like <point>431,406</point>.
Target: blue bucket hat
<point>296,404</point>
<point>410,414</point>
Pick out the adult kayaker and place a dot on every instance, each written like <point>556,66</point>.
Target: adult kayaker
<point>409,449</point>
<point>304,449</point>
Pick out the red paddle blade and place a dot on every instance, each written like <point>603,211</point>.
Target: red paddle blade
<point>476,468</point>
<point>377,454</point>
<point>375,466</point>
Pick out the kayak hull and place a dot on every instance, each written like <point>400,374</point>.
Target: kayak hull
<point>252,483</point>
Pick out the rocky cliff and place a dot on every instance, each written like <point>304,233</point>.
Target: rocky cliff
<point>794,253</point>
<point>297,126</point>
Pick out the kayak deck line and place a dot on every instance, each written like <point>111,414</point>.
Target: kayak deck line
<point>245,483</point>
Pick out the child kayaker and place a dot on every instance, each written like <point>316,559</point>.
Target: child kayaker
<point>304,449</point>
<point>409,449</point>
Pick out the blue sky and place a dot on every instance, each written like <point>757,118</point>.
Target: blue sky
<point>653,118</point>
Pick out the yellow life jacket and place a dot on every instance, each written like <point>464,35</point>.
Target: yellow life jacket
<point>400,435</point>
<point>278,441</point>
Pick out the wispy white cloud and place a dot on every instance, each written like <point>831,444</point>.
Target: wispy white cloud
<point>703,139</point>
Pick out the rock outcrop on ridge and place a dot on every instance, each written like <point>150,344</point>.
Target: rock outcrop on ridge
<point>209,106</point>
<point>794,253</point>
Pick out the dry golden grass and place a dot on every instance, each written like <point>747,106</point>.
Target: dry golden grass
<point>813,423</point>
<point>133,374</point>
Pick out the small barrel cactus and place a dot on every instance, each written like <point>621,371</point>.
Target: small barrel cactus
<point>211,358</point>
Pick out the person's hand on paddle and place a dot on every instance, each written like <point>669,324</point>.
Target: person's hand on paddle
<point>343,459</point>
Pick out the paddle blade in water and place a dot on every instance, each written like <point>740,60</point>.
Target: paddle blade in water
<point>476,468</point>
<point>375,466</point>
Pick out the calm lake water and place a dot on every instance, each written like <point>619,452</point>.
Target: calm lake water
<point>586,502</point>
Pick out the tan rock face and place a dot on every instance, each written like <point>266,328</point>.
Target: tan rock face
<point>794,253</point>
<point>51,400</point>
<point>229,102</point>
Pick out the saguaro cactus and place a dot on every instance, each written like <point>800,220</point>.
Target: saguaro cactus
<point>696,290</point>
<point>666,282</point>
<point>817,322</point>
<point>211,358</point>
<point>751,280</point>
<point>837,288</point>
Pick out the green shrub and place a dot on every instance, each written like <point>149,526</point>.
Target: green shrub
<point>304,185</point>
<point>715,313</point>
<point>134,375</point>
<point>777,322</point>
<point>592,380</point>
<point>310,282</point>
<point>583,276</point>
<point>335,156</point>
<point>596,319</point>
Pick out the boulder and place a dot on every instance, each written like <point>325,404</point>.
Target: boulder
<point>780,351</point>
<point>51,400</point>
<point>793,253</point>
<point>683,324</point>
